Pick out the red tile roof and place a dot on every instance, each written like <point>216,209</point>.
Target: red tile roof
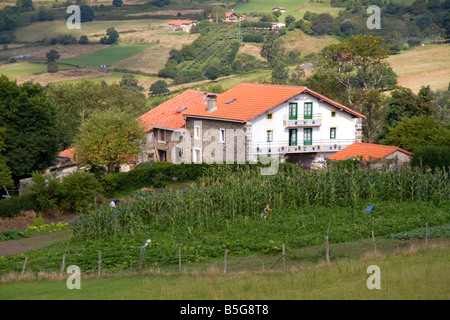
<point>68,153</point>
<point>167,115</point>
<point>366,151</point>
<point>180,22</point>
<point>246,101</point>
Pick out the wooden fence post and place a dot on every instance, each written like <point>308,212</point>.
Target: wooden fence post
<point>327,251</point>
<point>225,262</point>
<point>373,240</point>
<point>284,258</point>
<point>140,260</point>
<point>24,265</point>
<point>426,234</point>
<point>63,266</point>
<point>179,260</point>
<point>99,263</point>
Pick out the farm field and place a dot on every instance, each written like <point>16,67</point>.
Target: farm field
<point>424,65</point>
<point>110,55</point>
<point>20,69</point>
<point>268,5</point>
<point>409,272</point>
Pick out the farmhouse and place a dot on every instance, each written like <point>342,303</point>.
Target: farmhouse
<point>277,25</point>
<point>251,120</point>
<point>281,9</point>
<point>181,25</point>
<point>165,125</point>
<point>376,155</point>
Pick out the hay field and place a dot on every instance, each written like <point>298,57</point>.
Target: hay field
<point>422,66</point>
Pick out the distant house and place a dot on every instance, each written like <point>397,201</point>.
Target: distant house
<point>377,155</point>
<point>277,25</point>
<point>281,9</point>
<point>231,17</point>
<point>181,25</point>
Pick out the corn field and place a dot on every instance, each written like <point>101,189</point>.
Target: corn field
<point>224,194</point>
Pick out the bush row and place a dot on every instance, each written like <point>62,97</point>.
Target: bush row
<point>12,206</point>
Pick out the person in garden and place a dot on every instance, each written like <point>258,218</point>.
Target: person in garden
<point>113,205</point>
<point>265,211</point>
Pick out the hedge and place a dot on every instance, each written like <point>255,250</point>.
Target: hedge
<point>431,157</point>
<point>12,206</point>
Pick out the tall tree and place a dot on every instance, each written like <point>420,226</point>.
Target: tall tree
<point>5,171</point>
<point>272,48</point>
<point>31,128</point>
<point>358,65</point>
<point>109,139</point>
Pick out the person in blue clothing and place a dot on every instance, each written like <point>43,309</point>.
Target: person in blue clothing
<point>113,205</point>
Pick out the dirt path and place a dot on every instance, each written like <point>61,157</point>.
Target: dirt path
<point>35,242</point>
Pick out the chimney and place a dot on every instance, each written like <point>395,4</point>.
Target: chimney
<point>211,103</point>
<point>204,97</point>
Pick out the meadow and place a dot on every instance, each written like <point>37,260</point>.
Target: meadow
<point>110,55</point>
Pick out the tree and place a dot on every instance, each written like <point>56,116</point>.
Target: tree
<point>83,40</point>
<point>87,13</point>
<point>130,82</point>
<point>117,3</point>
<point>25,5</point>
<point>52,67</point>
<point>272,47</point>
<point>280,73</point>
<point>414,132</point>
<point>361,56</point>
<point>5,171</point>
<point>52,56</point>
<point>30,121</point>
<point>212,70</point>
<point>109,139</point>
<point>159,88</point>
<point>78,101</point>
<point>111,36</point>
<point>322,24</point>
<point>289,20</point>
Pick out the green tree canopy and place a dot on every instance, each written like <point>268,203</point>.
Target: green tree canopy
<point>414,132</point>
<point>159,88</point>
<point>31,129</point>
<point>5,171</point>
<point>109,139</point>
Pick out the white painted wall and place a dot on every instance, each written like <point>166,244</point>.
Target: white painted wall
<point>343,122</point>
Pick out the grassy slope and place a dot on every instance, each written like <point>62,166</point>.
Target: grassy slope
<point>410,273</point>
<point>421,66</point>
<point>15,70</point>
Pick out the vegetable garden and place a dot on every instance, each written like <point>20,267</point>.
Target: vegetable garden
<point>224,212</point>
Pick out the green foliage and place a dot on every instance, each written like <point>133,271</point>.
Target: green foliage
<point>431,157</point>
<point>79,190</point>
<point>12,235</point>
<point>110,139</point>
<point>30,120</point>
<point>48,228</point>
<point>112,36</point>
<point>52,67</point>
<point>5,171</point>
<point>46,191</point>
<point>117,3</point>
<point>52,55</point>
<point>414,132</point>
<point>87,13</point>
<point>12,206</point>
<point>159,88</point>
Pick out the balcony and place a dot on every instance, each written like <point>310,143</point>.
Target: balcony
<point>283,147</point>
<point>313,120</point>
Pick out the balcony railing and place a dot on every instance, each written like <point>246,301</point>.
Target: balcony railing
<point>283,147</point>
<point>313,120</point>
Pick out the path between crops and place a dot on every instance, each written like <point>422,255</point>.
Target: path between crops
<point>34,242</point>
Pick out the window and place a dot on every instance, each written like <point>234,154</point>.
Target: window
<point>196,155</point>
<point>332,133</point>
<point>269,135</point>
<point>292,111</point>
<point>307,136</point>
<point>333,114</point>
<point>161,135</point>
<point>269,116</point>
<point>308,110</point>
<point>222,135</point>
<point>292,137</point>
<point>196,132</point>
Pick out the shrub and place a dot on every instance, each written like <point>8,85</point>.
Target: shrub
<point>52,67</point>
<point>12,206</point>
<point>432,157</point>
<point>79,190</point>
<point>46,191</point>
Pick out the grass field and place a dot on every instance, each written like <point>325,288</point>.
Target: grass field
<point>110,55</point>
<point>422,66</point>
<point>409,272</point>
<point>15,70</point>
<point>268,5</point>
